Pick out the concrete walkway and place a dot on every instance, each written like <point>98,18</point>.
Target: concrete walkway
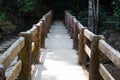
<point>59,60</point>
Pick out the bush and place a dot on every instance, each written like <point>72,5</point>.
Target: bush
<point>83,18</point>
<point>116,7</point>
<point>3,16</point>
<point>26,6</point>
<point>109,22</point>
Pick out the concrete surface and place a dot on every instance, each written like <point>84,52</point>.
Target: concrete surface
<point>59,60</point>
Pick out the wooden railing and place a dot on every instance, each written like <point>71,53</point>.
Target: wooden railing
<point>92,46</point>
<point>27,48</point>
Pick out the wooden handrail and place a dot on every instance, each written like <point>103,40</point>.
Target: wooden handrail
<point>105,74</point>
<point>15,71</point>
<point>110,52</point>
<point>97,48</point>
<point>12,52</point>
<point>27,48</point>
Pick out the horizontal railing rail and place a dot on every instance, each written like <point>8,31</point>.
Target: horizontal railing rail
<point>27,48</point>
<point>97,46</point>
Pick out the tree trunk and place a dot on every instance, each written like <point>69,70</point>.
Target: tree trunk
<point>90,16</point>
<point>97,17</point>
<point>93,15</point>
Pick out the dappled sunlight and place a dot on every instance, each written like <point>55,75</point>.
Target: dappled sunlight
<point>59,60</point>
<point>66,55</point>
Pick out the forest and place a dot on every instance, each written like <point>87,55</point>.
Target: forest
<point>20,15</point>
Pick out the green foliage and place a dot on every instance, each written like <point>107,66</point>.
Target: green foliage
<point>79,10</point>
<point>116,15</point>
<point>17,7</point>
<point>83,17</point>
<point>110,21</point>
<point>116,7</point>
<point>102,18</point>
<point>102,14</point>
<point>26,6</point>
<point>3,16</point>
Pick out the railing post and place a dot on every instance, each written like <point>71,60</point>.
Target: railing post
<point>82,56</point>
<point>47,23</point>
<point>25,56</point>
<point>50,20</point>
<point>95,60</point>
<point>75,37</point>
<point>43,35</point>
<point>2,72</point>
<point>67,23</point>
<point>71,27</point>
<point>44,19</point>
<point>37,40</point>
<point>65,19</point>
<point>51,15</point>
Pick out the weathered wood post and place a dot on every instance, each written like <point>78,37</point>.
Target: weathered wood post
<point>47,24</point>
<point>2,72</point>
<point>95,60</point>
<point>66,20</point>
<point>75,36</point>
<point>71,27</point>
<point>43,34</point>
<point>37,41</point>
<point>50,19</point>
<point>82,56</point>
<point>67,24</point>
<point>44,19</point>
<point>25,56</point>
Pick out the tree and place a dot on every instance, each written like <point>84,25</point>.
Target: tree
<point>90,16</point>
<point>116,7</point>
<point>93,15</point>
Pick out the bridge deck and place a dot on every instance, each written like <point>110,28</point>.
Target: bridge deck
<point>58,58</point>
